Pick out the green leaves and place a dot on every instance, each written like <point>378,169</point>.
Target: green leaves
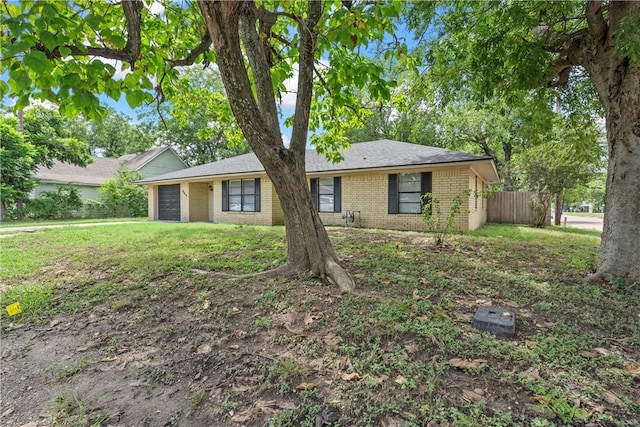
<point>38,62</point>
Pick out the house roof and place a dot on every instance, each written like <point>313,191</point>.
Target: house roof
<point>96,173</point>
<point>366,155</point>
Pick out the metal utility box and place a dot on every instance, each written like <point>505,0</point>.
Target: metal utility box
<point>497,320</point>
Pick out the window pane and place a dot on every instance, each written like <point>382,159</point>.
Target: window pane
<point>409,182</point>
<point>409,207</point>
<point>248,186</point>
<point>235,203</point>
<point>326,185</point>
<point>326,203</point>
<point>409,198</point>
<point>235,187</point>
<point>248,203</point>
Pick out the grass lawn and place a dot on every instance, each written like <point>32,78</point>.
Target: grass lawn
<point>155,323</point>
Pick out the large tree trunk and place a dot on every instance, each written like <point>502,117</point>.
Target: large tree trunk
<point>617,80</point>
<point>309,247</point>
<point>619,254</point>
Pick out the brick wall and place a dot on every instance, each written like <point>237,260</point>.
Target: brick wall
<point>367,192</point>
<point>264,217</point>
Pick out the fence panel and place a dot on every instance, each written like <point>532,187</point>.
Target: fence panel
<point>510,207</point>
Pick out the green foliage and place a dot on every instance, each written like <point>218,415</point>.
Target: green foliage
<point>198,123</point>
<point>51,135</point>
<point>120,197</point>
<point>432,214</point>
<point>570,156</point>
<point>17,163</point>
<point>115,136</point>
<point>63,203</point>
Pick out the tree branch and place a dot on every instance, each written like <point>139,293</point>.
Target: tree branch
<point>258,57</point>
<point>205,43</point>
<point>306,67</point>
<point>596,23</point>
<point>131,52</point>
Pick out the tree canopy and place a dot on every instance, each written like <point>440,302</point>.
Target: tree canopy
<point>482,50</point>
<point>65,52</point>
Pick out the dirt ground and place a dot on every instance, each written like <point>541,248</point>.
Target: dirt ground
<point>188,359</point>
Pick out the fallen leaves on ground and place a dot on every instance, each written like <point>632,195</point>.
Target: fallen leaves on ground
<point>468,364</point>
<point>633,368</point>
<point>612,398</point>
<point>354,376</point>
<point>471,396</point>
<point>305,386</point>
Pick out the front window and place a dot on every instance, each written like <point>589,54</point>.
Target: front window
<point>326,194</point>
<point>409,192</point>
<point>242,195</point>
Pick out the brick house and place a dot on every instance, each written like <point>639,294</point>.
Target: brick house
<point>378,182</point>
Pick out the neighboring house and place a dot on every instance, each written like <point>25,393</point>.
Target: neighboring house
<point>380,181</point>
<point>88,179</point>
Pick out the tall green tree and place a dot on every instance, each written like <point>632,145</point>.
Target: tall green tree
<point>54,50</point>
<point>52,138</point>
<point>115,135</point>
<point>197,122</point>
<point>480,49</point>
<point>17,163</point>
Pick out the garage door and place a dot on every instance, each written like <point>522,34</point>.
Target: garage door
<point>169,202</point>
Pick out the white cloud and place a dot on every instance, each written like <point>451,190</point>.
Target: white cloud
<point>156,8</point>
<point>286,140</point>
<point>291,88</point>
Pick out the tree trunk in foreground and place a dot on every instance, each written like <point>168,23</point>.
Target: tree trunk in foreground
<point>617,80</point>
<point>309,247</point>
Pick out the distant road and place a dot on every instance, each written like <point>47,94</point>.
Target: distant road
<point>583,222</point>
<point>31,229</point>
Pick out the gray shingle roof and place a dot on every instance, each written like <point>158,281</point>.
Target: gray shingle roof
<point>96,173</point>
<point>365,155</point>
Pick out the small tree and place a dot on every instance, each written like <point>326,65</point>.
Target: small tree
<point>432,215</point>
<point>120,197</point>
<point>17,164</point>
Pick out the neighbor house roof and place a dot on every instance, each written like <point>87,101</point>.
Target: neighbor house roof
<point>96,173</point>
<point>365,155</point>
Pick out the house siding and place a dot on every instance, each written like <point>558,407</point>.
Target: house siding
<point>368,193</point>
<point>198,201</point>
<point>264,217</point>
<point>164,163</point>
<point>86,191</point>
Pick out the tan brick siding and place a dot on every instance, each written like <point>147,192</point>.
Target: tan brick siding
<point>198,201</point>
<point>367,192</point>
<point>264,217</point>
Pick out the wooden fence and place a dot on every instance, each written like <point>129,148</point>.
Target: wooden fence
<point>511,207</point>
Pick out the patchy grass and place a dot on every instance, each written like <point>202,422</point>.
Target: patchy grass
<point>219,350</point>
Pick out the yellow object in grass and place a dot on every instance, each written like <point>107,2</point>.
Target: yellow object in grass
<point>14,309</point>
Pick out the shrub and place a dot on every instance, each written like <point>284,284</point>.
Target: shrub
<point>63,203</point>
<point>432,215</point>
<point>120,197</point>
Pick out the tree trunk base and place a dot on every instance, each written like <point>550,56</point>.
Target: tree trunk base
<point>334,274</point>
